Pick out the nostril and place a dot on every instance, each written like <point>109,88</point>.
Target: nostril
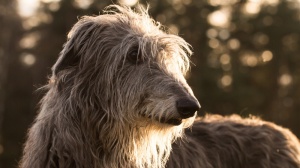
<point>187,107</point>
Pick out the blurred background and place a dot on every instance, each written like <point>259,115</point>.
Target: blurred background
<point>246,56</point>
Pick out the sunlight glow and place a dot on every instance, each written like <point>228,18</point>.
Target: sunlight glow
<point>36,20</point>
<point>226,80</point>
<point>27,59</point>
<point>29,40</point>
<point>128,2</point>
<point>233,44</point>
<point>54,6</point>
<point>253,59</point>
<point>224,34</point>
<point>267,56</point>
<point>30,23</point>
<point>27,8</point>
<point>84,4</point>
<point>271,2</point>
<point>225,59</point>
<point>222,2</point>
<point>219,18</point>
<point>251,8</point>
<point>249,59</point>
<point>211,33</point>
<point>49,1</point>
<point>225,62</point>
<point>213,43</point>
<point>285,79</point>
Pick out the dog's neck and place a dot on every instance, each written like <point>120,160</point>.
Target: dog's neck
<point>139,146</point>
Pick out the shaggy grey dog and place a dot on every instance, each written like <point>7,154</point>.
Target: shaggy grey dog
<point>117,97</point>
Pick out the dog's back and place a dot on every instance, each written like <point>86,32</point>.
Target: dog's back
<point>234,142</point>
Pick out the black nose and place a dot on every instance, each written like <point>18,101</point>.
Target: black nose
<point>187,107</point>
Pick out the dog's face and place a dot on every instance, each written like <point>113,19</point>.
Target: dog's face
<point>123,64</point>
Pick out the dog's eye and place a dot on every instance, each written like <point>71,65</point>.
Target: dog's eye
<point>135,57</point>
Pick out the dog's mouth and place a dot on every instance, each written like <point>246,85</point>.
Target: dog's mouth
<point>172,121</point>
<point>163,120</point>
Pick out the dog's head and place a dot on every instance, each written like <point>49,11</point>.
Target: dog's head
<point>123,64</point>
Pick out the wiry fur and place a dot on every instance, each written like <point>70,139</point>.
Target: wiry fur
<point>102,110</point>
<point>108,106</point>
<point>234,142</point>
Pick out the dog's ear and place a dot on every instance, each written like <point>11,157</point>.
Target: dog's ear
<point>70,56</point>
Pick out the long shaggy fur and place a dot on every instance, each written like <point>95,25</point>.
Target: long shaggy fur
<point>111,102</point>
<point>234,142</point>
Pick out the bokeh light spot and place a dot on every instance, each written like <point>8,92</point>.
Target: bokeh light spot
<point>212,33</point>
<point>285,79</point>
<point>224,34</point>
<point>29,40</point>
<point>251,8</point>
<point>28,59</point>
<point>49,1</point>
<point>219,18</point>
<point>226,80</point>
<point>213,43</point>
<point>84,4</point>
<point>225,59</point>
<point>27,8</point>
<point>249,59</point>
<point>233,44</point>
<point>128,2</point>
<point>222,2</point>
<point>267,56</point>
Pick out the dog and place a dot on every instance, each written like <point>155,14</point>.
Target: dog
<point>118,97</point>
